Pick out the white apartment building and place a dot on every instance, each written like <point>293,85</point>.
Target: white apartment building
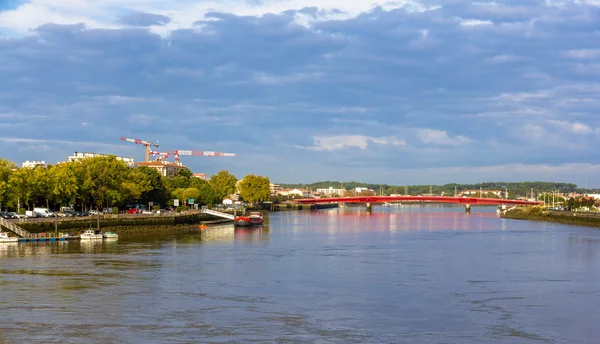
<point>331,191</point>
<point>33,164</point>
<point>294,192</point>
<point>79,156</point>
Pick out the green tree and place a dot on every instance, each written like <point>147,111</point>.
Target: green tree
<point>6,169</point>
<point>158,186</point>
<point>207,195</point>
<point>105,178</point>
<point>62,183</point>
<point>223,184</point>
<point>255,188</point>
<point>182,179</point>
<point>21,188</point>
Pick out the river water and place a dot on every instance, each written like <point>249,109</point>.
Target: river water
<point>412,274</point>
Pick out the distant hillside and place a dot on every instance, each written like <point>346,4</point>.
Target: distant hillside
<point>515,189</point>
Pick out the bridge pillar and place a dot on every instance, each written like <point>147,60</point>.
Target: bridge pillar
<point>369,207</point>
<point>467,208</point>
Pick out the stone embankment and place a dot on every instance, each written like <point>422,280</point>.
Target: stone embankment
<point>563,217</point>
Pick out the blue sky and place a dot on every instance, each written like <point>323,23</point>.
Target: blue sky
<point>399,92</point>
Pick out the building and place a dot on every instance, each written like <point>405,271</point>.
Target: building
<point>294,192</point>
<point>165,168</point>
<point>33,164</point>
<point>331,191</point>
<point>79,156</point>
<point>497,193</point>
<point>199,175</point>
<point>275,188</point>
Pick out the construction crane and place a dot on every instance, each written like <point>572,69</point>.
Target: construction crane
<point>161,155</point>
<point>177,153</point>
<point>147,144</point>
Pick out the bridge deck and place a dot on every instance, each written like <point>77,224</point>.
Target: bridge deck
<point>438,199</point>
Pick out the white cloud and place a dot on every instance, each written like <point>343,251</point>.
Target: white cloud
<point>583,53</point>
<point>522,96</point>
<point>504,58</point>
<point>474,22</point>
<point>184,13</point>
<point>440,137</point>
<point>330,143</point>
<point>575,127</point>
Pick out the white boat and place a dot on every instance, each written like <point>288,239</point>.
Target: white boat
<point>5,238</point>
<point>91,234</point>
<point>111,235</point>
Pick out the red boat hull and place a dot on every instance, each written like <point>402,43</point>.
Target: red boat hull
<point>244,221</point>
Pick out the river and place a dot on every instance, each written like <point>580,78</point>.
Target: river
<point>411,274</point>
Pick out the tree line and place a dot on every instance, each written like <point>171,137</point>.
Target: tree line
<point>101,182</point>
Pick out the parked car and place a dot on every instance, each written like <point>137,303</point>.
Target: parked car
<point>17,215</point>
<point>133,211</point>
<point>5,215</point>
<point>31,213</point>
<point>94,212</point>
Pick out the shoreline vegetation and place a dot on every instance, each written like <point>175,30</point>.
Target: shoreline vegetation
<point>586,219</point>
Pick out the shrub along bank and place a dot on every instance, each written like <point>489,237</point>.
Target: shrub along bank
<point>564,217</point>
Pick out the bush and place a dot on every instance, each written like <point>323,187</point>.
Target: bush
<point>115,211</point>
<point>181,208</point>
<point>155,208</point>
<point>22,211</point>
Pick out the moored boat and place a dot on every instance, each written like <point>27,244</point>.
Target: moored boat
<point>5,238</point>
<point>91,234</point>
<point>254,219</point>
<point>110,235</point>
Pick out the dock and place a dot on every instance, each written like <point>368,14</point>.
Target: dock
<point>25,236</point>
<point>205,210</point>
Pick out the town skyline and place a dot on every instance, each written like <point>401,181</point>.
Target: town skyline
<point>419,92</point>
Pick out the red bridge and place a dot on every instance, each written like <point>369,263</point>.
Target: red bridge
<point>467,201</point>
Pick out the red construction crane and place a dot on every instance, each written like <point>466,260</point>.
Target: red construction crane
<point>177,153</point>
<point>147,144</point>
<point>161,155</point>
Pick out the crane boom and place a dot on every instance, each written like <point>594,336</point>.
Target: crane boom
<point>177,153</point>
<point>202,153</point>
<point>147,144</point>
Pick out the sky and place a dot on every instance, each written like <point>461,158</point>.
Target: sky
<point>380,91</point>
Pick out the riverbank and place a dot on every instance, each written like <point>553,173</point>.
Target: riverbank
<point>563,217</point>
<point>137,223</point>
<point>118,224</point>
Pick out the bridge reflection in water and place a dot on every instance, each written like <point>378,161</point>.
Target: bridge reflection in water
<point>403,218</point>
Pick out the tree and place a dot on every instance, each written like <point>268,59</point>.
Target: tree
<point>158,186</point>
<point>21,187</point>
<point>6,169</point>
<point>207,195</point>
<point>62,183</point>
<point>223,184</point>
<point>255,188</point>
<point>182,179</point>
<point>105,178</point>
<point>136,184</point>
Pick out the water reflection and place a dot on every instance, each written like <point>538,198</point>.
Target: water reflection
<point>429,218</point>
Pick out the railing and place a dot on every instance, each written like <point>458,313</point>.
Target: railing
<point>205,210</point>
<point>14,228</point>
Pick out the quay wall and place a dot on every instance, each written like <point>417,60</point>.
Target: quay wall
<point>136,223</point>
